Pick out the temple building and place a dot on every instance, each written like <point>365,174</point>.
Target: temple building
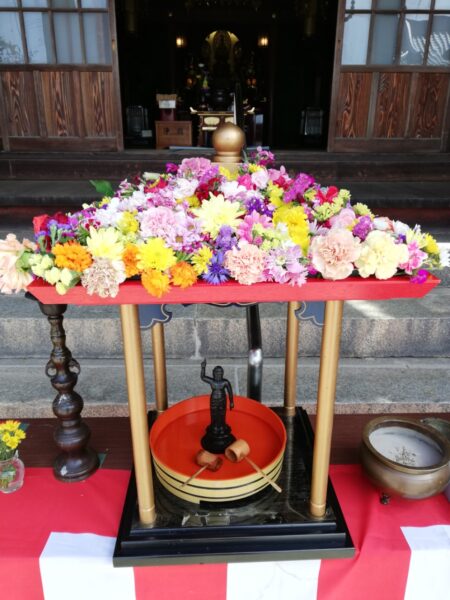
<point>336,75</point>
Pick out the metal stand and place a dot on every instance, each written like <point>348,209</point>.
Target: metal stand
<point>76,461</point>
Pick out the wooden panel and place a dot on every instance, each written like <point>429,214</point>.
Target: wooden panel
<point>387,145</point>
<point>61,103</point>
<point>98,108</point>
<point>428,105</point>
<point>391,110</point>
<point>20,103</point>
<point>353,105</point>
<point>63,143</point>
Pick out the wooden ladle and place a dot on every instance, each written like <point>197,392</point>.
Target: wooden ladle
<point>206,460</point>
<point>238,451</point>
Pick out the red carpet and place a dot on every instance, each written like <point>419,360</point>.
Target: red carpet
<point>43,505</point>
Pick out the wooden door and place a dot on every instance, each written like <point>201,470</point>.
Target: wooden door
<point>391,76</point>
<point>59,87</point>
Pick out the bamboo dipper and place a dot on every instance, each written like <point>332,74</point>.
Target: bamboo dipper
<point>206,460</point>
<point>238,451</point>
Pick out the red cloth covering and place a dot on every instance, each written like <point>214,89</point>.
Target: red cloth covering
<point>44,505</point>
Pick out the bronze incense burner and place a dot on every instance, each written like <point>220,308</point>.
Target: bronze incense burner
<point>405,457</point>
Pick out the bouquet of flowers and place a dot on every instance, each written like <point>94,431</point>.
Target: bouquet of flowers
<point>201,221</point>
<point>10,437</point>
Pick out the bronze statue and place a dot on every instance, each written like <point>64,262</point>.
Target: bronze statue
<point>218,434</point>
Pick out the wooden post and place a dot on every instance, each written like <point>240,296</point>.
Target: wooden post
<point>329,359</point>
<point>290,372</point>
<point>132,348</point>
<point>159,367</point>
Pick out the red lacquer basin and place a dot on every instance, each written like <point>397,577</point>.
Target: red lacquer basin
<point>175,440</point>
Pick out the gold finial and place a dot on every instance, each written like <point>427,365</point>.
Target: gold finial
<point>228,141</point>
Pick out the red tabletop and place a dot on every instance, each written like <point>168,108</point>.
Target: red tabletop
<point>353,288</point>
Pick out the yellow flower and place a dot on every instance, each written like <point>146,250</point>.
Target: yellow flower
<point>275,194</point>
<point>295,219</point>
<point>201,259</point>
<point>155,282</point>
<point>154,254</point>
<point>216,212</point>
<point>228,174</point>
<point>10,437</point>
<point>128,223</point>
<point>380,255</point>
<point>105,243</point>
<point>183,274</point>
<point>252,168</point>
<point>72,256</point>
<point>431,246</point>
<point>104,201</point>
<point>362,209</point>
<point>193,201</point>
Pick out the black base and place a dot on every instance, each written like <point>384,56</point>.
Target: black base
<point>267,526</point>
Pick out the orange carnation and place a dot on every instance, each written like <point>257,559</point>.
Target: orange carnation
<point>130,261</point>
<point>155,282</point>
<point>73,256</point>
<point>183,274</point>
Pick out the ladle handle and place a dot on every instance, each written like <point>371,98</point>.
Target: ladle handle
<point>261,472</point>
<point>196,474</point>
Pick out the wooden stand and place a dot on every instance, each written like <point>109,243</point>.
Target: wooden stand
<point>318,500</point>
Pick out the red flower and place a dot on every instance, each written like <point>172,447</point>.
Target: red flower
<point>40,223</point>
<point>330,195</point>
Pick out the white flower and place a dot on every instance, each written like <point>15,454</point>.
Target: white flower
<point>185,188</point>
<point>260,178</point>
<point>400,228</point>
<point>52,276</point>
<point>380,255</point>
<point>233,191</point>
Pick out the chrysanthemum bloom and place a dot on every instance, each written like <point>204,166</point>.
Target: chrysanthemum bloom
<point>216,212</point>
<point>297,223</point>
<point>246,264</point>
<point>431,246</point>
<point>183,274</point>
<point>73,256</point>
<point>200,259</point>
<point>380,255</point>
<point>103,278</point>
<point>155,282</point>
<point>105,243</point>
<point>13,277</point>
<point>128,223</point>
<point>155,254</point>
<point>129,258</point>
<point>333,254</point>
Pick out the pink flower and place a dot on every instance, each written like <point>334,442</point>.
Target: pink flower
<point>196,167</point>
<point>260,178</point>
<point>12,277</point>
<point>158,221</point>
<point>245,229</point>
<point>333,254</point>
<point>246,181</point>
<point>343,219</point>
<point>246,264</point>
<point>415,259</point>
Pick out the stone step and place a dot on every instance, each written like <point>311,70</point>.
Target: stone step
<point>364,385</point>
<point>396,328</point>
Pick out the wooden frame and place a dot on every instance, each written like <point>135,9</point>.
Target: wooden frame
<point>409,136</point>
<point>90,121</point>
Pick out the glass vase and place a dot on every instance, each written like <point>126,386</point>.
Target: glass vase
<point>11,474</point>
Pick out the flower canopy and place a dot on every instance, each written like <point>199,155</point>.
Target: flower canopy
<point>200,221</point>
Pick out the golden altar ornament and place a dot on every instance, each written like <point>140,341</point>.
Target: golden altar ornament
<point>228,141</point>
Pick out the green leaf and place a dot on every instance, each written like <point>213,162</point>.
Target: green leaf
<point>102,187</point>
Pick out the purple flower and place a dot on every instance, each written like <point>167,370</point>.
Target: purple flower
<point>420,276</point>
<point>301,183</point>
<point>216,272</point>
<point>363,227</point>
<point>225,239</point>
<point>171,168</point>
<point>283,266</point>
<point>258,205</point>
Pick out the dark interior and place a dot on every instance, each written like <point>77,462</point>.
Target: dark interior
<point>221,55</point>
